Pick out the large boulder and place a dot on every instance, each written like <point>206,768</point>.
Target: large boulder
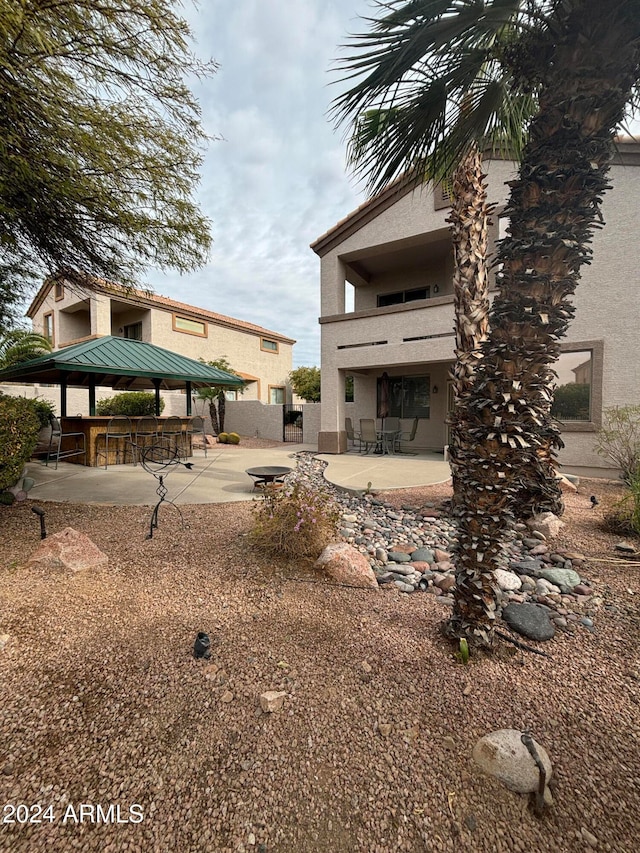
<point>344,564</point>
<point>68,550</point>
<point>546,523</point>
<point>502,754</point>
<point>529,620</point>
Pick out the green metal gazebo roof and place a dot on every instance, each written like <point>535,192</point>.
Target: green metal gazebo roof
<point>119,363</point>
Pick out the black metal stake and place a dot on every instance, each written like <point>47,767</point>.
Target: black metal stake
<point>40,513</point>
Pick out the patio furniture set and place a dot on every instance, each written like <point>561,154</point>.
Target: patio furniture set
<point>388,438</point>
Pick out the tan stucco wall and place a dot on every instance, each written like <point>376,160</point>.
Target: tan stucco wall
<point>607,310</point>
<point>99,315</point>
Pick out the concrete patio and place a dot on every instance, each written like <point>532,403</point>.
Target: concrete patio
<point>221,477</point>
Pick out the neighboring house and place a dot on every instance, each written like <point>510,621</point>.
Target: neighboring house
<point>67,312</point>
<point>387,305</point>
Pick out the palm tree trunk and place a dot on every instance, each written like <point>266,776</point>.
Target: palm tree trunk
<point>222,408</point>
<point>469,220</point>
<point>586,68</point>
<point>213,414</point>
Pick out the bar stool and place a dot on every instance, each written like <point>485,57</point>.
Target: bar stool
<point>172,430</point>
<point>146,428</point>
<point>195,426</point>
<point>119,433</point>
<point>57,433</point>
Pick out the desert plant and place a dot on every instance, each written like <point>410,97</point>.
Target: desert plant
<point>19,427</point>
<point>223,437</point>
<point>624,517</point>
<point>297,521</point>
<point>233,438</point>
<point>619,439</point>
<point>131,403</point>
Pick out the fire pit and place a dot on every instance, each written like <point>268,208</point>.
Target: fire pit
<point>267,475</point>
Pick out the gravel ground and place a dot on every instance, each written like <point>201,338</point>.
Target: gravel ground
<point>103,702</point>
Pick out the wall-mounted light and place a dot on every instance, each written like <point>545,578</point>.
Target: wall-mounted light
<point>120,329</point>
<point>436,288</point>
<point>434,390</point>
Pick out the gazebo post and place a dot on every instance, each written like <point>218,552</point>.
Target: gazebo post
<point>63,395</point>
<point>188,392</point>
<point>92,396</point>
<point>156,385</point>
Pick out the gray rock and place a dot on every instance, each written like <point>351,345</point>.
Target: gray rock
<point>398,557</point>
<point>423,555</point>
<point>399,569</point>
<point>529,620</point>
<point>502,754</point>
<point>563,578</point>
<point>526,567</point>
<point>404,587</point>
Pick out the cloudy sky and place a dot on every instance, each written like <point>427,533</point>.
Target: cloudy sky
<point>277,180</point>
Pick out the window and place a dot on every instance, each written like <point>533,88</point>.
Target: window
<point>572,396</point>
<point>230,395</point>
<point>189,327</point>
<point>58,291</point>
<point>133,332</point>
<point>401,296</point>
<point>48,328</point>
<point>268,346</point>
<point>276,395</point>
<point>409,396</point>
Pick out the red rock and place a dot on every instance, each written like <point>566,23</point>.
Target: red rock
<point>68,550</point>
<point>344,564</point>
<point>447,583</point>
<point>421,566</point>
<point>403,549</point>
<point>441,556</point>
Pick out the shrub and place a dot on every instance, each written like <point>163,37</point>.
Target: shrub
<point>625,515</point>
<point>619,439</point>
<point>43,409</point>
<point>297,521</point>
<point>131,403</point>
<point>233,438</point>
<point>19,428</point>
<point>223,437</point>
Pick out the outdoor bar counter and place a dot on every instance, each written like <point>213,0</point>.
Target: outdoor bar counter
<point>93,426</point>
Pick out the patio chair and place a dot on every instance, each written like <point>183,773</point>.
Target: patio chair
<point>195,426</point>
<point>408,437</point>
<point>368,433</point>
<point>146,428</point>
<point>58,434</point>
<point>352,435</point>
<point>172,429</point>
<point>120,435</point>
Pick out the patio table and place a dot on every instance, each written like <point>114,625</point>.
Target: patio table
<point>387,438</point>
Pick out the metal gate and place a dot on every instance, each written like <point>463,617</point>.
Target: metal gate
<point>292,423</point>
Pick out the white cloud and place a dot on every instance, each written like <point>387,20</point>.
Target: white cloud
<point>277,180</point>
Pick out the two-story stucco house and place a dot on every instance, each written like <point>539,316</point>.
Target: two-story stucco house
<point>67,312</point>
<point>387,305</point>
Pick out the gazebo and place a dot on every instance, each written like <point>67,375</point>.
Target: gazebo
<point>119,363</point>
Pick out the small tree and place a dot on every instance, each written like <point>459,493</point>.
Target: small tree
<point>305,382</point>
<point>102,142</point>
<point>215,394</point>
<point>619,440</point>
